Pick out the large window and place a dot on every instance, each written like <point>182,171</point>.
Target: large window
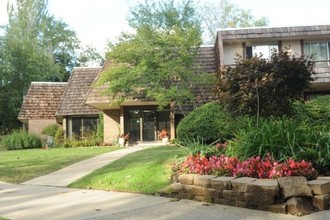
<point>319,51</point>
<point>265,50</point>
<point>80,127</point>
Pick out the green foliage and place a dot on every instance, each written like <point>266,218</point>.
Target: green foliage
<point>100,129</point>
<point>155,62</point>
<point>50,130</point>
<point>316,112</point>
<point>198,147</point>
<point>283,138</point>
<point>59,137</point>
<point>34,47</point>
<point>261,87</point>
<point>89,140</point>
<point>20,139</point>
<point>208,123</point>
<point>223,14</point>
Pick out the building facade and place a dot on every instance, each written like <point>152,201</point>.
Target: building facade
<point>82,100</point>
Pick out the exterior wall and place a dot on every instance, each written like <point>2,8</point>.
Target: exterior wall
<point>295,48</point>
<point>233,48</point>
<point>37,125</point>
<point>230,51</point>
<point>111,125</point>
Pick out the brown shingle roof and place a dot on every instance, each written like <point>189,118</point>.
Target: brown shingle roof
<point>42,100</point>
<point>274,32</point>
<point>205,63</point>
<point>79,84</point>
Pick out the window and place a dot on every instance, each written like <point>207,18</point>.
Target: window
<point>265,50</point>
<point>319,51</point>
<point>79,127</point>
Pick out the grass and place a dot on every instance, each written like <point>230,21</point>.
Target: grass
<point>147,171</point>
<point>22,165</point>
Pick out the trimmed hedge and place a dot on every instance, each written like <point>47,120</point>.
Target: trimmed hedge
<point>208,123</point>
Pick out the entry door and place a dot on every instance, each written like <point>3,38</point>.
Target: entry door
<point>141,124</point>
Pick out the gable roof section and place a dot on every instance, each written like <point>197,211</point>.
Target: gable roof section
<point>96,96</point>
<point>41,100</point>
<point>205,63</point>
<point>274,32</point>
<point>73,99</point>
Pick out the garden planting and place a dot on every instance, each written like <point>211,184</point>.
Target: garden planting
<point>280,163</point>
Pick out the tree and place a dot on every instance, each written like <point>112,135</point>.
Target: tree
<point>34,47</point>
<point>261,87</point>
<point>156,60</point>
<point>89,56</point>
<point>223,14</point>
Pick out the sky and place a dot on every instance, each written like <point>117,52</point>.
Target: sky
<point>98,21</point>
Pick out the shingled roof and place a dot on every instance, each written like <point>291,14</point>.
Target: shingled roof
<point>79,84</point>
<point>274,32</point>
<point>42,100</point>
<point>205,63</point>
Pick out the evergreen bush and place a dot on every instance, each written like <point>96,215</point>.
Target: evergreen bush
<point>207,124</point>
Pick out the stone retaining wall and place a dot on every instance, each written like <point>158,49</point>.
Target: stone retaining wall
<point>294,195</point>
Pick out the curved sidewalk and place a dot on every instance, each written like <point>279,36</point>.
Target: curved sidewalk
<point>76,171</point>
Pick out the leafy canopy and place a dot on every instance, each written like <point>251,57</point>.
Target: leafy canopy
<point>262,87</point>
<point>223,14</point>
<point>156,60</point>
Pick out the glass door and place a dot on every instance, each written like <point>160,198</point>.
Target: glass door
<point>149,122</point>
<point>140,124</point>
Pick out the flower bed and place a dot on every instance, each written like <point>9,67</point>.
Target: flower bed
<point>255,167</point>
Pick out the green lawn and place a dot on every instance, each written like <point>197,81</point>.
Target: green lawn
<point>22,165</point>
<point>147,171</point>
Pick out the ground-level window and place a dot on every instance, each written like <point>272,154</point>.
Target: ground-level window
<point>265,50</point>
<point>81,126</point>
<point>319,51</point>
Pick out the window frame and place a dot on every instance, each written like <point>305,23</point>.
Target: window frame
<point>71,119</point>
<point>250,49</point>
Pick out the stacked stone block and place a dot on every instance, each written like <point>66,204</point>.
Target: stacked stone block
<point>292,195</point>
<point>321,190</point>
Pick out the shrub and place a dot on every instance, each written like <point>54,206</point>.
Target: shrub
<point>20,139</point>
<point>282,137</point>
<point>59,136</point>
<point>265,87</point>
<point>315,112</point>
<point>50,130</point>
<point>208,123</point>
<point>100,129</point>
<point>90,140</point>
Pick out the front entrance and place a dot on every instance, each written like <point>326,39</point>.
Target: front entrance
<point>143,124</point>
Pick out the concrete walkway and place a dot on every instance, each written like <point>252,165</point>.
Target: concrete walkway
<point>74,172</point>
<point>29,202</point>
